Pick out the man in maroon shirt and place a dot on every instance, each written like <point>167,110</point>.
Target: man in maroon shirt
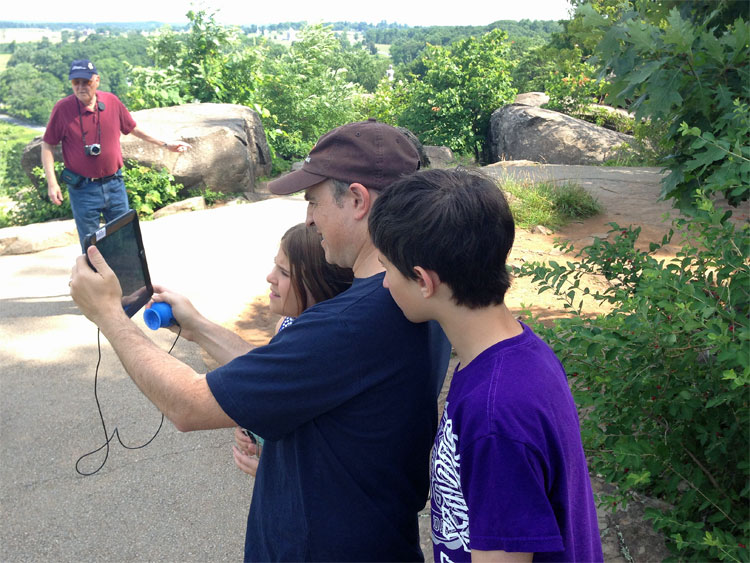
<point>88,124</point>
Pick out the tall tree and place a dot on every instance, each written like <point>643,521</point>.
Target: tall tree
<point>308,91</point>
<point>451,102</point>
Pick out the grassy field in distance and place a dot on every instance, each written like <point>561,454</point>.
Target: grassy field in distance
<point>28,34</point>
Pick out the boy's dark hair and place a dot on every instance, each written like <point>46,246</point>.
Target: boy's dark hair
<point>454,222</point>
<point>308,268</point>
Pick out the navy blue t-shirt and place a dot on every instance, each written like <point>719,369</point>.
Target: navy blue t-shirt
<point>345,398</point>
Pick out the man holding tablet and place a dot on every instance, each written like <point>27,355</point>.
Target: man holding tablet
<point>345,397</point>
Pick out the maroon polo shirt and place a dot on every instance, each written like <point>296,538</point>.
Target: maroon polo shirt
<point>65,126</point>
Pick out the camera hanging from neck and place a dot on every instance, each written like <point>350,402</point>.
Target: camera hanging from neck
<point>96,148</point>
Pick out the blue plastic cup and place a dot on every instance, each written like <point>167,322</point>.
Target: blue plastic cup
<point>159,315</point>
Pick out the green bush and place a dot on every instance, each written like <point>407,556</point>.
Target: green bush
<point>148,189</point>
<point>29,93</point>
<point>307,91</point>
<point>450,102</point>
<point>31,204</point>
<point>648,148</point>
<point>209,196</point>
<point>573,92</point>
<point>662,379</point>
<point>684,64</point>
<point>13,139</point>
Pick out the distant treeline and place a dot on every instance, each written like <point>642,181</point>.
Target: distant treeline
<point>120,27</point>
<point>406,43</point>
<point>383,32</point>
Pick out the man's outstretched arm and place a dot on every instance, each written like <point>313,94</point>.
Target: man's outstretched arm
<point>174,387</point>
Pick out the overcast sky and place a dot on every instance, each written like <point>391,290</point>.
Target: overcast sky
<point>244,12</point>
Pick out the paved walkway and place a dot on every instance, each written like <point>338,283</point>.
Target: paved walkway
<point>15,121</point>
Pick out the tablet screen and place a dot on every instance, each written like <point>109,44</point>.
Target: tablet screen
<point>119,241</point>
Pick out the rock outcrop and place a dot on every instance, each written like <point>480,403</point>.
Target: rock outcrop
<point>535,99</point>
<point>439,157</point>
<point>522,132</point>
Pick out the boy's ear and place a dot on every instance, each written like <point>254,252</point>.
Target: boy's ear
<point>428,281</point>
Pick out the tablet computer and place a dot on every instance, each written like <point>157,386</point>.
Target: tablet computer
<point>120,242</point>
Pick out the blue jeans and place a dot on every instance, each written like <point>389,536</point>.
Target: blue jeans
<point>92,199</point>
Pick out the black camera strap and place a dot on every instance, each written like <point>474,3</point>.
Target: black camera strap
<point>97,118</point>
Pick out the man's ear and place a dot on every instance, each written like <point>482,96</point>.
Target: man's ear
<point>362,198</point>
<point>428,281</point>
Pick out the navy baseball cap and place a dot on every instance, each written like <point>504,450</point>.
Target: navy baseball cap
<point>82,68</point>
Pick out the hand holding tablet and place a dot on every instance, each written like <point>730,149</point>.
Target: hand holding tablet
<point>121,245</point>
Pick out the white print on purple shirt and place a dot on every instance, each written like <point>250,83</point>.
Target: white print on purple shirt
<point>450,515</point>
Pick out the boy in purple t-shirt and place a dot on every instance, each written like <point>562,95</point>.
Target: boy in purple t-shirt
<point>509,479</point>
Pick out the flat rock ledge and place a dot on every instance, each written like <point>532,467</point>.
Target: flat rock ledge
<point>36,237</point>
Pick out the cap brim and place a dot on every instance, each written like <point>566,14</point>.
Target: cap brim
<point>294,182</point>
<point>81,74</point>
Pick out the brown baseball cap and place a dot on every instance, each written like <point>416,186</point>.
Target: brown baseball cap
<point>367,152</point>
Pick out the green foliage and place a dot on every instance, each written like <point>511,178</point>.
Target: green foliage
<point>648,147</point>
<point>29,93</point>
<point>408,43</point>
<point>451,102</point>
<point>364,68</point>
<point>208,64</point>
<point>574,91</point>
<point>386,103</point>
<point>662,379</point>
<point>209,196</point>
<point>300,92</point>
<point>307,92</point>
<point>548,204</point>
<point>148,189</point>
<point>154,88</point>
<point>31,204</point>
<point>604,117</point>
<point>732,150</point>
<point>13,139</point>
<point>37,73</point>
<point>683,62</point>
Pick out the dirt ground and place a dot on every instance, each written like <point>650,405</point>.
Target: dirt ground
<point>629,196</point>
<point>256,323</point>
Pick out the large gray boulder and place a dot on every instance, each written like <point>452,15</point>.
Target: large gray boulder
<point>439,157</point>
<point>521,132</point>
<point>229,151</point>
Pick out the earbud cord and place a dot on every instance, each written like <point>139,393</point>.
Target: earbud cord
<point>115,432</point>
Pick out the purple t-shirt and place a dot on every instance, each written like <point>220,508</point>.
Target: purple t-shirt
<point>508,470</point>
